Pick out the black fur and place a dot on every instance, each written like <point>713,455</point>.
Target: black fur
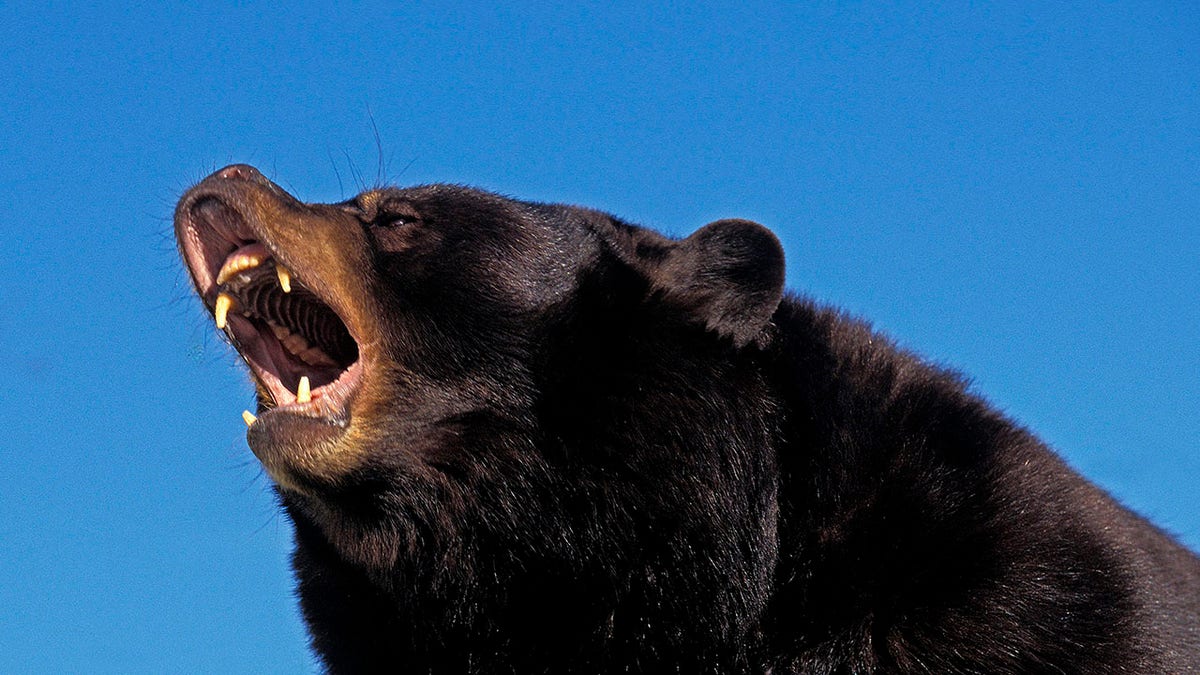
<point>606,451</point>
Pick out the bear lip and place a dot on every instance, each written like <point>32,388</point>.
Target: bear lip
<point>211,230</point>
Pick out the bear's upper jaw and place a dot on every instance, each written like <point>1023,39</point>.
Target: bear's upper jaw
<point>302,354</point>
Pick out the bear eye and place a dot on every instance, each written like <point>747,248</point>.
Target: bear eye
<point>391,220</point>
<point>395,215</point>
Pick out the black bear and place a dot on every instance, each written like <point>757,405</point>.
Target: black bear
<point>530,438</point>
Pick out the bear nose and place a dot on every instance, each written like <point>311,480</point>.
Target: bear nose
<point>242,172</point>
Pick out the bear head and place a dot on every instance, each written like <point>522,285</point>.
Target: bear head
<point>485,408</point>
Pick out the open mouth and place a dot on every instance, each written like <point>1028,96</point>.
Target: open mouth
<point>303,355</point>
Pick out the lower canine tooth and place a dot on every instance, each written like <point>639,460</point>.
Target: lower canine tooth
<point>285,278</point>
<point>249,418</point>
<point>303,392</point>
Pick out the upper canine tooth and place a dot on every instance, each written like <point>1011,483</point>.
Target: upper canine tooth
<point>285,278</point>
<point>221,309</point>
<point>242,260</point>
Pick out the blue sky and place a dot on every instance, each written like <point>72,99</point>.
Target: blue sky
<point>1011,191</point>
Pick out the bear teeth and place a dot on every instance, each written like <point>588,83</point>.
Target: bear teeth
<point>245,258</point>
<point>221,309</point>
<point>299,346</point>
<point>249,257</point>
<point>285,278</point>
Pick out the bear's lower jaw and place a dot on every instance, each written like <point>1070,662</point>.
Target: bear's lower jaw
<point>302,452</point>
<point>317,417</point>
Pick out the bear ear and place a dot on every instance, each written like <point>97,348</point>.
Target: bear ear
<point>729,274</point>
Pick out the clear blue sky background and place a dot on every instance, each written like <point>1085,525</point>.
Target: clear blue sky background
<point>1010,191</point>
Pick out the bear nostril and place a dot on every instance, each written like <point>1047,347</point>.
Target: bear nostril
<point>241,172</point>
